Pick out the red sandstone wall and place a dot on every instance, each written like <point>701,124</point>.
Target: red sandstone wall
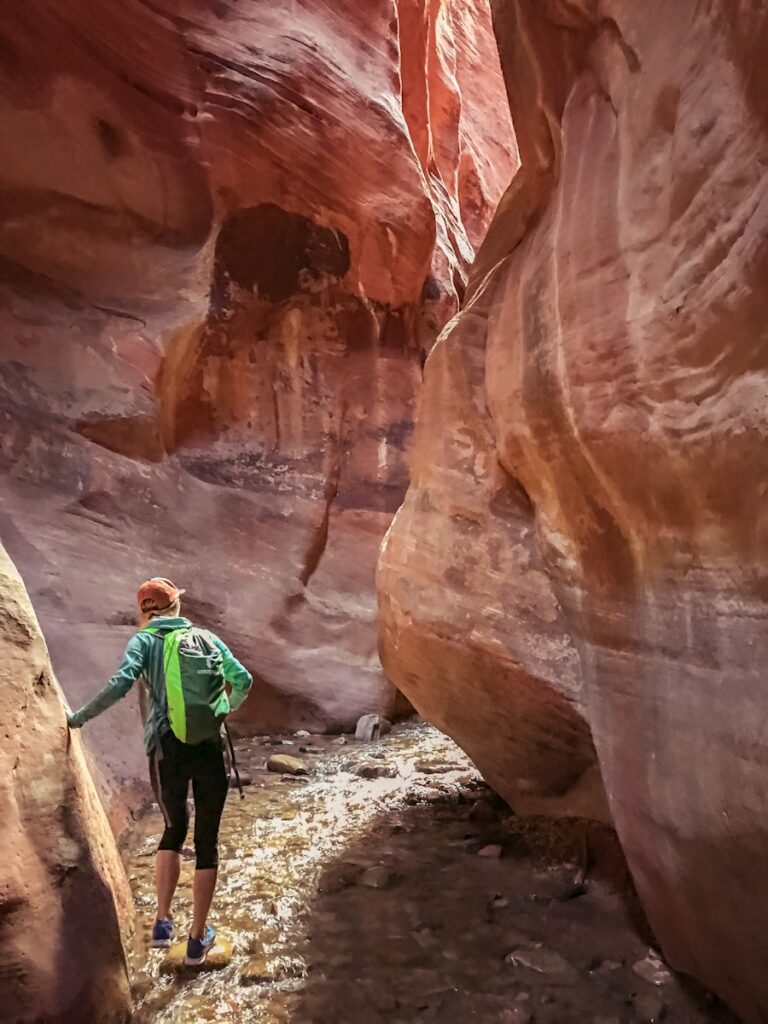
<point>63,892</point>
<point>581,558</point>
<point>232,232</point>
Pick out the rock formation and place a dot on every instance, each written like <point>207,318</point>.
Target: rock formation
<point>581,558</point>
<point>232,232</point>
<point>63,891</point>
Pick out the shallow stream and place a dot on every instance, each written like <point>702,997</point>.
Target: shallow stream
<point>389,886</point>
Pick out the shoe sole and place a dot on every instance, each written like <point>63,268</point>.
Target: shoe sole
<point>161,944</point>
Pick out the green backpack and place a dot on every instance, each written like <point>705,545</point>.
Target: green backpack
<point>194,684</point>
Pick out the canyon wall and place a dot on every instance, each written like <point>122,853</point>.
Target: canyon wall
<point>232,231</point>
<point>576,585</point>
<point>63,892</point>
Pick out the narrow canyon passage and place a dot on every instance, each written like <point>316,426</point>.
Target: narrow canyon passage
<point>422,344</point>
<point>390,886</point>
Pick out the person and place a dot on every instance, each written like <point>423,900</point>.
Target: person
<point>173,764</point>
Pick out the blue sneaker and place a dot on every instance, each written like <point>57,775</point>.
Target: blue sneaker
<point>162,934</point>
<point>198,949</point>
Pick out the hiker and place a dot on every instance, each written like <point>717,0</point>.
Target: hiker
<point>185,670</point>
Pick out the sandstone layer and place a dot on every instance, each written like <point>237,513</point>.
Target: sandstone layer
<point>577,579</point>
<point>232,232</point>
<point>63,891</point>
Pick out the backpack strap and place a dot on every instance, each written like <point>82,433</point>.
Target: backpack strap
<point>233,761</point>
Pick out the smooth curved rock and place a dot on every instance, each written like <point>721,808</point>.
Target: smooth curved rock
<point>63,892</point>
<point>582,555</point>
<point>232,232</point>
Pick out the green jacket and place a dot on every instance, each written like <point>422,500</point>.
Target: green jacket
<point>143,658</point>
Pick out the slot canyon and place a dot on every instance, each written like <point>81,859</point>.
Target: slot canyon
<point>423,343</point>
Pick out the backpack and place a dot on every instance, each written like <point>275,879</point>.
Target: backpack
<point>194,683</point>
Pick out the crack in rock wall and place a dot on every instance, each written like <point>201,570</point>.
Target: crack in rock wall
<point>232,232</point>
<point>575,587</point>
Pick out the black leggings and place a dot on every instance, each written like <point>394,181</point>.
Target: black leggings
<point>202,764</point>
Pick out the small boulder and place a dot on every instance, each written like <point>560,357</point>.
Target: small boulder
<point>368,729</point>
<point>491,852</point>
<point>286,765</point>
<point>302,734</point>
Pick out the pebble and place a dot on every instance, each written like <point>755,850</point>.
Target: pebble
<point>606,967</point>
<point>286,764</point>
<point>376,878</point>
<point>652,970</point>
<point>492,852</point>
<point>376,771</point>
<point>544,961</point>
<point>301,734</point>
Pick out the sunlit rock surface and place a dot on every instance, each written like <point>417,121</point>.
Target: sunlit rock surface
<point>63,891</point>
<point>232,232</point>
<point>581,558</point>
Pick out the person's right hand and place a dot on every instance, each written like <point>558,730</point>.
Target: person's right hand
<point>73,721</point>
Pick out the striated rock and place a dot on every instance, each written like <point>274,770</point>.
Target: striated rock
<point>63,893</point>
<point>232,233</point>
<point>575,586</point>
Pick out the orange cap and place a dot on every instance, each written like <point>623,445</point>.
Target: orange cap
<point>157,593</point>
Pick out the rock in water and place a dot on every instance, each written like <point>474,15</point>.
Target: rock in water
<point>286,765</point>
<point>63,893</point>
<point>219,956</point>
<point>368,729</point>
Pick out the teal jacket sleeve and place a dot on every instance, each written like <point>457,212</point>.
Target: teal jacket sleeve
<point>131,669</point>
<point>239,678</point>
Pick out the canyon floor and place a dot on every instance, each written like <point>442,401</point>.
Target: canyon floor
<point>390,886</point>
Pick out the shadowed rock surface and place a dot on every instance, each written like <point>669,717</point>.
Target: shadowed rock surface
<point>232,232</point>
<point>63,891</point>
<point>581,558</point>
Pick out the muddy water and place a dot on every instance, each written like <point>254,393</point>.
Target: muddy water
<point>377,900</point>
